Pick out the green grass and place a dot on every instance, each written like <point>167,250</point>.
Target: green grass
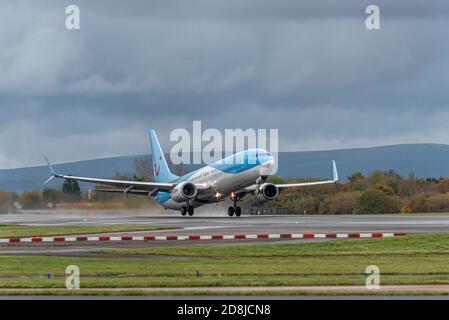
<point>412,245</point>
<point>219,281</point>
<point>11,231</point>
<point>419,259</point>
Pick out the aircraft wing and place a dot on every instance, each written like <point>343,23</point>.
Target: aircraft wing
<point>134,191</point>
<point>302,184</point>
<point>123,185</point>
<point>312,183</point>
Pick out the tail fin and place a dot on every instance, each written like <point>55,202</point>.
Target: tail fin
<point>161,171</point>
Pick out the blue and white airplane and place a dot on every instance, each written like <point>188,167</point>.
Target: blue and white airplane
<point>233,177</point>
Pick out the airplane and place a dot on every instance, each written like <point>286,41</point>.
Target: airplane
<point>223,179</point>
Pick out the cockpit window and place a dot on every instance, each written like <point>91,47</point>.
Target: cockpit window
<point>261,154</point>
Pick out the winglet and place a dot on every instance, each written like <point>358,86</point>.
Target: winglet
<point>334,171</point>
<point>52,171</point>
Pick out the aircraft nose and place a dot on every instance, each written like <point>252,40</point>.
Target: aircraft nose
<point>266,168</point>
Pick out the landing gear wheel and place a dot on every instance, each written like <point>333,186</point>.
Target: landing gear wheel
<point>238,211</point>
<point>230,211</point>
<point>183,210</point>
<point>190,210</point>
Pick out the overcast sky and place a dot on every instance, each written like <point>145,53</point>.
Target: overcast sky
<point>309,68</point>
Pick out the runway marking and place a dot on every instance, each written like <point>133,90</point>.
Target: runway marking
<point>202,237</point>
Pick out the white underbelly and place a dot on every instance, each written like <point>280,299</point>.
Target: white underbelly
<point>221,183</point>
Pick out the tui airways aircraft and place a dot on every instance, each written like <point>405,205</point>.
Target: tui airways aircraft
<point>233,177</point>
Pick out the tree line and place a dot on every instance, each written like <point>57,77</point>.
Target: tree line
<point>378,192</point>
<point>35,199</point>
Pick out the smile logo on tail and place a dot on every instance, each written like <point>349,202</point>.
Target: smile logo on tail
<point>158,170</point>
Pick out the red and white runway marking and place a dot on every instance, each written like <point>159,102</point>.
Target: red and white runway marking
<point>203,237</point>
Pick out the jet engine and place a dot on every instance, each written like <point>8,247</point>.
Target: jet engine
<point>184,192</point>
<point>266,192</point>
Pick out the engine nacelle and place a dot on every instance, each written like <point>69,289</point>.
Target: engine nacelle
<point>266,192</point>
<point>184,192</point>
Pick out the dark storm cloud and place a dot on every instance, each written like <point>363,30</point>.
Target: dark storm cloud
<point>310,69</point>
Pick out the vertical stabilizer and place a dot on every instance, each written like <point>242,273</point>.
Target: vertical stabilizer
<point>161,172</point>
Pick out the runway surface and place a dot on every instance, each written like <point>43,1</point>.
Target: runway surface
<point>204,225</point>
<point>334,289</point>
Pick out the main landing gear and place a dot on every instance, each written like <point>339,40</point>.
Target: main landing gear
<point>234,210</point>
<point>187,210</point>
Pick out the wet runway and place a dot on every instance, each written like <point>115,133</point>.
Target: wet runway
<point>204,225</point>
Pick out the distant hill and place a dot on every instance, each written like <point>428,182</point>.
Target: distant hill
<point>425,160</point>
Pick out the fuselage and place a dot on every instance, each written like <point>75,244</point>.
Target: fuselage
<point>222,178</point>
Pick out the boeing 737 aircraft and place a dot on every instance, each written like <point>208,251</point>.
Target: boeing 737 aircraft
<point>226,178</point>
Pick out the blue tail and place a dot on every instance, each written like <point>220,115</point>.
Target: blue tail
<point>161,172</point>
